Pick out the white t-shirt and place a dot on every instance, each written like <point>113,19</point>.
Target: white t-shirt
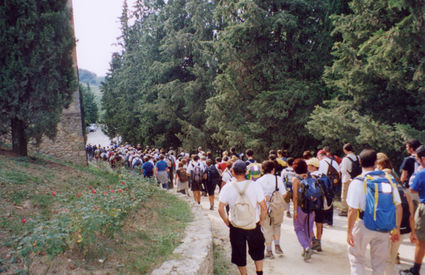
<point>316,173</point>
<point>193,164</point>
<point>227,176</point>
<point>136,159</point>
<point>324,164</point>
<point>268,184</point>
<point>229,194</point>
<point>347,166</point>
<point>288,173</point>
<point>356,196</point>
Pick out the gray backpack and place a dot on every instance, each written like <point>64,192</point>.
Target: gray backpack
<point>276,206</point>
<point>243,214</point>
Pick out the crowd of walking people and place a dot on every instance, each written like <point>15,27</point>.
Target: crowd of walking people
<point>381,206</point>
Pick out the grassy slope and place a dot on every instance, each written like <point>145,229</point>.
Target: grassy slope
<point>143,236</point>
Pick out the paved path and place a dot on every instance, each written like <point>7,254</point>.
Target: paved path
<point>98,137</point>
<point>333,259</point>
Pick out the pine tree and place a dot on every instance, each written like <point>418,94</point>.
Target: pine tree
<point>37,77</point>
<point>378,76</point>
<point>272,55</point>
<point>160,82</point>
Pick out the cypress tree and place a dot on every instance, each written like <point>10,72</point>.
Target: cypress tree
<point>37,77</point>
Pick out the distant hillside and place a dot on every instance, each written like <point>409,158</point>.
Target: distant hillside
<point>89,77</point>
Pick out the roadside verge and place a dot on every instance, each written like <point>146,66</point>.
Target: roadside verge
<point>195,255</point>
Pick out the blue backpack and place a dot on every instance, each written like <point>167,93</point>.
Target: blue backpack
<point>380,212</point>
<point>325,184</point>
<point>310,195</point>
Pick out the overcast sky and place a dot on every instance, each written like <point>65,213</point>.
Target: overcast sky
<point>96,30</point>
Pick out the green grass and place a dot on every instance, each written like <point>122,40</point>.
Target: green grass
<point>162,235</point>
<point>221,263</point>
<point>16,177</point>
<point>148,236</point>
<point>18,196</point>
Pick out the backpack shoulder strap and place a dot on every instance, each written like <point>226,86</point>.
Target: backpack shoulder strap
<point>241,192</point>
<point>394,186</point>
<point>231,176</point>
<point>245,187</point>
<point>236,187</point>
<point>329,165</point>
<point>276,187</point>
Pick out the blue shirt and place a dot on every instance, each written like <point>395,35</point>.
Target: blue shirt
<point>147,168</point>
<point>161,165</point>
<point>418,185</point>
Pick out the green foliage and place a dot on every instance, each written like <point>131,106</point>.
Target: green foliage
<point>273,54</point>
<point>173,214</point>
<point>87,77</point>
<point>222,265</point>
<point>378,76</point>
<point>135,229</point>
<point>90,109</point>
<point>82,220</point>
<point>204,73</point>
<point>37,77</point>
<point>263,74</point>
<point>164,76</point>
<point>19,196</point>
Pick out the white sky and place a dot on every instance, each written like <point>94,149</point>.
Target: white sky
<point>96,30</point>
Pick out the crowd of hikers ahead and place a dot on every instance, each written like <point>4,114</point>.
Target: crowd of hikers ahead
<point>381,207</point>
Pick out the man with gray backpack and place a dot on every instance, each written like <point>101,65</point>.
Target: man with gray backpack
<point>374,211</point>
<point>275,193</point>
<point>248,211</point>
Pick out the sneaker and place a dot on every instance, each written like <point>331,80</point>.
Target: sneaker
<point>212,207</point>
<point>316,245</point>
<point>278,250</point>
<point>406,272</point>
<point>307,254</point>
<point>269,254</point>
<point>397,259</point>
<point>343,214</point>
<point>288,214</point>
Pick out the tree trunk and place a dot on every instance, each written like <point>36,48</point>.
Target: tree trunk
<point>19,138</point>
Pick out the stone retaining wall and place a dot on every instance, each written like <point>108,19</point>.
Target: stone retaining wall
<point>69,144</point>
<point>195,255</point>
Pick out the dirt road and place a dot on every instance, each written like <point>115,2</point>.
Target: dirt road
<point>332,260</point>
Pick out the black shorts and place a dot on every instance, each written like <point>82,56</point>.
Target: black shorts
<point>239,238</point>
<point>324,216</point>
<point>211,188</point>
<point>196,186</point>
